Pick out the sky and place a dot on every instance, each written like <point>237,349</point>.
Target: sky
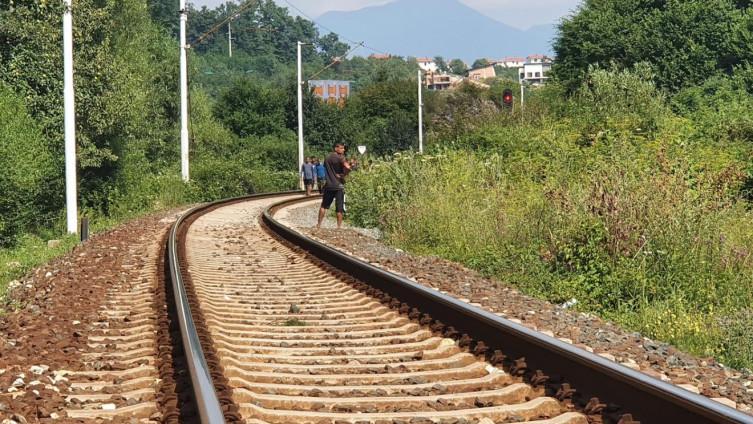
<point>517,13</point>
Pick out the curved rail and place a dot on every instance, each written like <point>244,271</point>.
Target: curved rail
<point>210,409</point>
<point>648,399</point>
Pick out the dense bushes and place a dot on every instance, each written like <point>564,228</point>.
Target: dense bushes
<point>685,41</point>
<point>27,176</point>
<point>619,203</point>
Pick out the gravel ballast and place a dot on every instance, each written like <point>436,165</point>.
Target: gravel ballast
<point>56,314</point>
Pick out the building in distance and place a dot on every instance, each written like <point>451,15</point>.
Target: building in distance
<point>380,56</point>
<point>479,74</point>
<point>331,91</point>
<point>512,62</point>
<point>427,64</point>
<point>536,70</point>
<point>440,81</point>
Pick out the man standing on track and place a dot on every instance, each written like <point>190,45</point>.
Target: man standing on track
<point>321,175</point>
<point>308,173</point>
<point>336,168</point>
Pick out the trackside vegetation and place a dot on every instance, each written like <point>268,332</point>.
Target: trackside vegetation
<point>630,199</point>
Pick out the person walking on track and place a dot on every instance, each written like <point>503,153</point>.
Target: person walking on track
<point>336,168</point>
<point>309,174</point>
<point>321,175</point>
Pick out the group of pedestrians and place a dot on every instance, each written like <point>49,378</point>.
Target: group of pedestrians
<point>329,178</point>
<point>314,175</point>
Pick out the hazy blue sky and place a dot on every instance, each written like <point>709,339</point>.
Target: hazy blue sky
<point>518,13</point>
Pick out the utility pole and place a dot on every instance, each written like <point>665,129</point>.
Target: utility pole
<point>229,40</point>
<point>420,115</point>
<point>183,93</point>
<point>71,196</point>
<point>300,113</point>
<point>522,95</point>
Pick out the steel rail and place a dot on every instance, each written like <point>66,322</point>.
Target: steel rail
<point>208,403</point>
<point>649,400</point>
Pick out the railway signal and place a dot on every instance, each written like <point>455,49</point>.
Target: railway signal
<point>507,98</point>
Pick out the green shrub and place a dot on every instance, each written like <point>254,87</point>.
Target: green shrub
<point>645,224</point>
<point>28,190</point>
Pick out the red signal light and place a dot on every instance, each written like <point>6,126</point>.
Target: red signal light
<point>507,98</point>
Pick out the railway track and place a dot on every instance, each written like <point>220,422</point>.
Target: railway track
<point>280,329</point>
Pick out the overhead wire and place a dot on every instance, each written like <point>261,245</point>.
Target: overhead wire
<point>334,62</point>
<point>363,44</point>
<point>245,6</point>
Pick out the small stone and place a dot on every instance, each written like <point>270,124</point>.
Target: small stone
<point>48,274</point>
<point>725,402</point>
<point>608,356</point>
<point>294,309</point>
<point>39,369</point>
<point>631,365</point>
<point>108,407</point>
<point>42,412</point>
<point>19,382</point>
<point>53,244</point>
<point>690,388</point>
<point>655,374</point>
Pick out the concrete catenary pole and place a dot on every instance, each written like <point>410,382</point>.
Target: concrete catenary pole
<point>420,115</point>
<point>229,40</point>
<point>183,93</point>
<point>300,113</point>
<point>71,195</point>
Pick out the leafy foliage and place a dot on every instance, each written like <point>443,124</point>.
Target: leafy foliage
<point>684,41</point>
<point>614,200</point>
<point>458,67</point>
<point>27,177</point>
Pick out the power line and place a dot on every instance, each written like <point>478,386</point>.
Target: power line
<point>361,43</point>
<point>334,62</point>
<point>231,16</point>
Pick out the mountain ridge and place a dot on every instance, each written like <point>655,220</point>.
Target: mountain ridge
<point>431,28</point>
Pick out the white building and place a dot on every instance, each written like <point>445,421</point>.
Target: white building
<point>427,65</point>
<point>538,58</point>
<point>513,62</point>
<point>535,73</point>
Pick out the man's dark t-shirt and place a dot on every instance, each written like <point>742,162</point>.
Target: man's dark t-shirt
<point>335,172</point>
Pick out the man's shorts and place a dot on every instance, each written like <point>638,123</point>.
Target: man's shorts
<point>308,182</point>
<point>338,196</point>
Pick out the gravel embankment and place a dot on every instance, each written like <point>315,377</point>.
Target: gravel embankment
<point>57,321</point>
<point>657,359</point>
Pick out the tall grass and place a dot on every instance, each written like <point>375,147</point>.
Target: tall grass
<point>621,206</point>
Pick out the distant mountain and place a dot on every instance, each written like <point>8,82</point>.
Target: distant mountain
<point>431,28</point>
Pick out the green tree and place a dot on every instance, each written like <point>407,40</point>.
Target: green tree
<point>441,64</point>
<point>684,41</point>
<point>480,63</point>
<point>251,108</point>
<point>458,67</point>
<point>28,189</point>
